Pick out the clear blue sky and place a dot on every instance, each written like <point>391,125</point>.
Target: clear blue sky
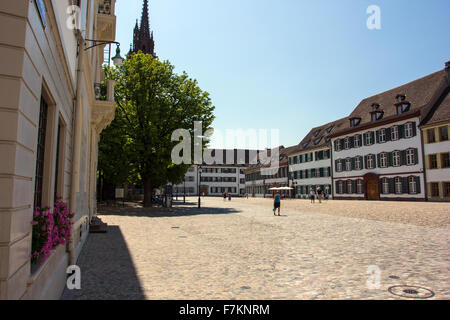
<point>293,64</point>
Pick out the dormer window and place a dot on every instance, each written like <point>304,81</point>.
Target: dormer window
<point>355,122</point>
<point>317,141</point>
<point>329,129</point>
<point>305,145</point>
<point>401,98</point>
<point>375,106</point>
<point>316,133</point>
<point>402,108</point>
<point>377,115</point>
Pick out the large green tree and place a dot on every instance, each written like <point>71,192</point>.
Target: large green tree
<point>152,102</point>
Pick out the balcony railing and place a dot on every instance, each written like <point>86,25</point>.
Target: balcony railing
<point>104,91</point>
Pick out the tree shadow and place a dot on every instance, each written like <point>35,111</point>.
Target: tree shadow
<point>178,210</point>
<point>107,270</point>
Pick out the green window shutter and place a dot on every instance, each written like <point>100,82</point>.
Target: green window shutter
<point>403,157</point>
<point>378,136</point>
<point>321,172</point>
<point>401,131</point>
<point>405,187</point>
<point>372,134</point>
<point>416,156</point>
<point>379,160</point>
<point>352,142</point>
<point>390,158</point>
<point>329,171</point>
<point>418,187</point>
<point>388,134</point>
<point>365,162</point>
<point>353,163</point>
<point>391,185</point>
<point>414,128</point>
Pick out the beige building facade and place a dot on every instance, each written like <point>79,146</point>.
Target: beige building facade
<point>50,120</point>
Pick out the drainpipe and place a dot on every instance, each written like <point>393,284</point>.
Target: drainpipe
<point>76,144</point>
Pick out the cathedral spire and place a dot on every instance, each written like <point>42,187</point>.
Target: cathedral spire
<point>145,24</point>
<point>143,38</point>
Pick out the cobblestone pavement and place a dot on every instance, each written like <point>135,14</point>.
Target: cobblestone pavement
<point>240,250</point>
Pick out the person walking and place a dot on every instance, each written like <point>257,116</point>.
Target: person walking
<point>224,196</point>
<point>276,204</point>
<point>312,195</point>
<point>320,194</point>
<point>229,196</point>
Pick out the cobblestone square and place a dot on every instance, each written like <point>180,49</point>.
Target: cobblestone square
<point>239,250</point>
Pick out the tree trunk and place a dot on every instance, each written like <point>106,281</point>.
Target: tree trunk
<point>148,191</point>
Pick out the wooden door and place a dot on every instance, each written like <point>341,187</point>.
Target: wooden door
<point>373,191</point>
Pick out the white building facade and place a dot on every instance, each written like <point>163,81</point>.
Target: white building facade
<point>310,162</point>
<point>381,163</point>
<point>378,155</point>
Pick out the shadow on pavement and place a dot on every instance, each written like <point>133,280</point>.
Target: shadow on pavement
<point>178,210</point>
<point>107,270</point>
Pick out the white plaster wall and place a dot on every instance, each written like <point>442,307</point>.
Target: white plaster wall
<point>438,147</point>
<point>377,148</point>
<point>438,175</point>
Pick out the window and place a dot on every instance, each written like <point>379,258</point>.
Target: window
<point>401,98</point>
<point>305,145</point>
<point>375,106</point>
<point>357,141</point>
<point>348,164</point>
<point>60,152</point>
<point>410,157</point>
<point>337,145</point>
<point>341,187</point>
<point>382,135</point>
<point>443,133</point>
<point>339,166</point>
<point>358,163</point>
<point>396,159</point>
<point>446,189</point>
<point>360,186</point>
<point>377,115</point>
<point>412,184</point>
<point>402,108</point>
<point>432,159</point>
<point>385,185</point>
<point>431,136</point>
<point>398,185</point>
<point>316,133</point>
<point>370,136</point>
<point>355,122</point>
<point>40,153</point>
<point>346,144</point>
<point>435,189</point>
<point>383,160</point>
<point>317,141</point>
<point>408,130</point>
<point>329,129</point>
<point>349,186</point>
<point>394,133</point>
<point>370,161</point>
<point>445,161</point>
